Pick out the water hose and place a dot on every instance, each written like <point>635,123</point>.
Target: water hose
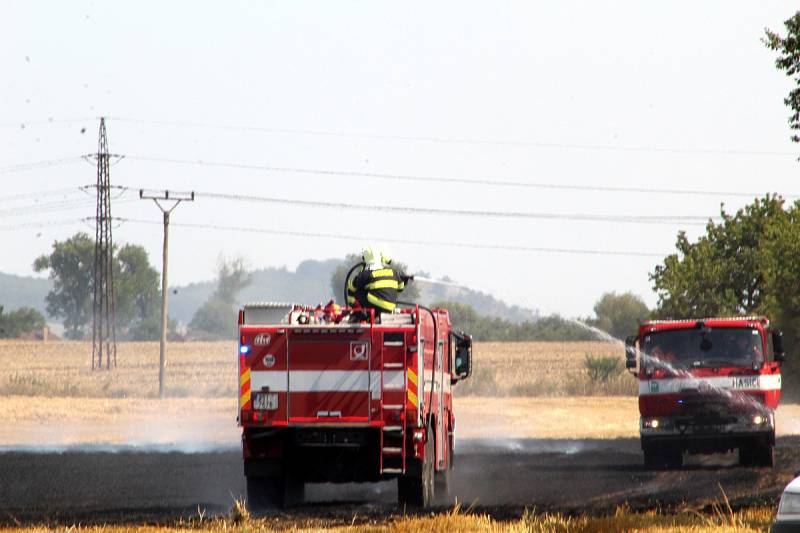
<point>435,348</point>
<point>361,264</point>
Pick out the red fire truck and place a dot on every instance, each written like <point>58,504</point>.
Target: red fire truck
<point>706,386</point>
<point>325,397</point>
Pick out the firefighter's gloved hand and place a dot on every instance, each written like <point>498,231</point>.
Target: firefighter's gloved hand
<point>406,279</point>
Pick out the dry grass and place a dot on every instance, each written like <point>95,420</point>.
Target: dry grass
<point>208,370</point>
<point>544,418</point>
<point>63,368</point>
<point>542,369</point>
<point>748,520</point>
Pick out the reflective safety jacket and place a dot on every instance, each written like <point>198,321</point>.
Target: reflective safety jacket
<point>376,289</point>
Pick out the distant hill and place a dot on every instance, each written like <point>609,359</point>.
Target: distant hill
<point>309,284</point>
<point>23,291</point>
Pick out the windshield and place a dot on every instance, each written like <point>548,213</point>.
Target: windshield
<point>705,347</point>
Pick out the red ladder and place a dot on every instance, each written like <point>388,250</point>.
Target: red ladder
<point>393,412</point>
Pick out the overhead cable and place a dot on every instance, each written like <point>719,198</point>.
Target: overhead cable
<point>21,167</point>
<point>362,238</point>
<point>22,124</point>
<point>501,182</point>
<point>406,210</point>
<point>64,191</point>
<point>470,141</point>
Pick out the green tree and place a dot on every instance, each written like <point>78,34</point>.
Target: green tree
<point>20,322</point>
<point>410,294</point>
<point>782,273</point>
<point>138,294</point>
<point>70,264</point>
<point>788,59</point>
<point>216,318</point>
<point>618,314</point>
<point>723,273</point>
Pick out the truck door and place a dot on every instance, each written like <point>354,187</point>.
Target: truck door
<point>329,378</point>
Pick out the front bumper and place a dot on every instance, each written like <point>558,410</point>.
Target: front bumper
<point>707,435</point>
<point>687,426</point>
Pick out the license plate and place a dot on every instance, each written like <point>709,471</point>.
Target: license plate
<point>265,401</point>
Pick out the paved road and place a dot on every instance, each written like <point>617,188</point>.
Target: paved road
<point>502,477</point>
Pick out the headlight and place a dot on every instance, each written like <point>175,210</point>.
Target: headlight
<point>653,423</point>
<point>790,503</point>
<point>758,420</point>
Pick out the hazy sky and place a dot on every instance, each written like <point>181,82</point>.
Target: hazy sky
<point>676,95</point>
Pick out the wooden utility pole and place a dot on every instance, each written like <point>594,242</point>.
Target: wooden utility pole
<point>176,198</point>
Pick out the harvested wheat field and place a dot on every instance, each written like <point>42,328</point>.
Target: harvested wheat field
<point>63,368</point>
<point>121,406</point>
<point>208,369</point>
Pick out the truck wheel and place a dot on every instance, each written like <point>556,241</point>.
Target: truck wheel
<point>662,458</point>
<point>655,458</point>
<point>418,490</point>
<point>764,455</point>
<point>273,492</point>
<point>442,478</point>
<point>294,491</point>
<point>264,493</point>
<point>747,455</point>
<point>674,458</point>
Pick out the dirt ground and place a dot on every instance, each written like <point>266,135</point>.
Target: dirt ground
<point>501,478</point>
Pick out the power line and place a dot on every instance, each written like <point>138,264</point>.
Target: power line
<point>22,124</point>
<point>362,238</point>
<point>406,210</point>
<point>53,206</point>
<point>503,182</point>
<point>64,191</point>
<point>456,140</point>
<point>42,224</point>
<point>21,167</point>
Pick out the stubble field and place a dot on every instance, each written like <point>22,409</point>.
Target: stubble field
<point>50,395</point>
<point>208,370</point>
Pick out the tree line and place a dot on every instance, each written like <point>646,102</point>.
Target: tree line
<point>137,295</point>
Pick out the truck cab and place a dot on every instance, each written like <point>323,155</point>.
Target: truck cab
<point>707,385</point>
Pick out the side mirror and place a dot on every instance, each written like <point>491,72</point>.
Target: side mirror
<point>777,346</point>
<point>630,352</point>
<point>462,366</point>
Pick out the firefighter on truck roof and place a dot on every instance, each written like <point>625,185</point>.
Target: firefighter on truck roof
<point>378,283</point>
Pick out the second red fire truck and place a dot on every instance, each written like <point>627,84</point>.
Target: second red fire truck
<point>707,385</point>
<point>325,398</point>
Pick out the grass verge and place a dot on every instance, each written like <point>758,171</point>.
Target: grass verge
<point>720,519</point>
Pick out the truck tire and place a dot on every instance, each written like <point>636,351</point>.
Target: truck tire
<point>418,490</point>
<point>656,458</point>
<point>294,491</point>
<point>442,478</point>
<point>264,493</point>
<point>747,455</point>
<point>274,492</point>
<point>764,455</point>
